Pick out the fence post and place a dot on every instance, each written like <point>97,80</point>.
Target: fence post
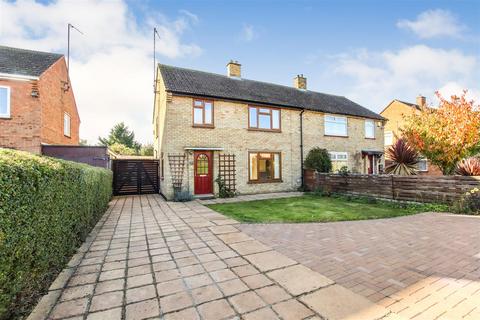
<point>393,189</point>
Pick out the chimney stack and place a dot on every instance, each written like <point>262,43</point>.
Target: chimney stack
<point>300,82</point>
<point>421,101</point>
<point>234,69</point>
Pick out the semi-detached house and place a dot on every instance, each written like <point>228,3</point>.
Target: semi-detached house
<point>268,128</point>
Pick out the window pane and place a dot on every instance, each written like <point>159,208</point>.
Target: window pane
<point>253,117</point>
<point>264,121</point>
<point>275,119</point>
<point>369,129</point>
<point>66,124</point>
<point>336,129</point>
<point>253,166</point>
<point>197,115</point>
<point>388,138</point>
<point>208,112</point>
<point>198,103</point>
<point>263,110</point>
<point>276,166</point>
<point>4,101</point>
<point>202,165</point>
<point>265,167</point>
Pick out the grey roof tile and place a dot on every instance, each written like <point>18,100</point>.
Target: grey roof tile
<point>25,62</point>
<point>200,83</point>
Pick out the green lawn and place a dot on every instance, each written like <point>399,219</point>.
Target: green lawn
<point>313,208</point>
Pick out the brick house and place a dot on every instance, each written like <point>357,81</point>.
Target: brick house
<point>37,105</point>
<point>269,128</point>
<point>395,113</point>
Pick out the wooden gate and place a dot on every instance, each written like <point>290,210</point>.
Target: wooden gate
<point>135,176</point>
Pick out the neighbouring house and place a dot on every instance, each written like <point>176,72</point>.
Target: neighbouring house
<point>37,105</point>
<point>252,134</point>
<point>395,112</point>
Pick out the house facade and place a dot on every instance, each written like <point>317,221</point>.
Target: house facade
<point>395,112</point>
<point>37,105</point>
<point>268,128</point>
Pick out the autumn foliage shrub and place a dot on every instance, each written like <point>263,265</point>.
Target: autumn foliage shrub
<point>47,208</point>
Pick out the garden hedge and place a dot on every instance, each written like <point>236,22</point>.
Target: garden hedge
<point>47,208</point>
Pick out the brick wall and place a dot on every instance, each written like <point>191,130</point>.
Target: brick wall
<point>39,120</point>
<point>22,130</point>
<point>173,124</point>
<point>55,102</point>
<point>407,188</point>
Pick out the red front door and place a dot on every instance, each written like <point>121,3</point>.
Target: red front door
<point>203,172</point>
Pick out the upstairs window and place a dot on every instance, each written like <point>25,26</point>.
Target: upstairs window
<point>264,167</point>
<point>202,113</point>
<point>336,126</point>
<point>262,118</point>
<point>388,138</point>
<point>4,102</point>
<point>369,129</point>
<point>66,124</point>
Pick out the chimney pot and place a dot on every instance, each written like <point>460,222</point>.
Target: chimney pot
<point>300,82</point>
<point>421,100</point>
<point>234,69</point>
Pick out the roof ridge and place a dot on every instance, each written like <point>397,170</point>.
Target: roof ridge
<point>30,50</point>
<point>269,83</point>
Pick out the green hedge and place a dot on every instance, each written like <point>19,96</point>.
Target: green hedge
<point>47,208</point>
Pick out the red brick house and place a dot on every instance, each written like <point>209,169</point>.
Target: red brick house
<point>37,105</point>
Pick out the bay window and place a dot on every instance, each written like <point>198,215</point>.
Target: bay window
<point>264,166</point>
<point>263,118</point>
<point>336,126</point>
<point>202,113</point>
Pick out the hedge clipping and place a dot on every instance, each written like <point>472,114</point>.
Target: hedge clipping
<point>47,208</point>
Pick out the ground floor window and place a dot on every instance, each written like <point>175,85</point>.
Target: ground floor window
<point>422,165</point>
<point>264,166</point>
<point>339,160</point>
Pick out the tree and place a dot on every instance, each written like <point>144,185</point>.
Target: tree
<point>83,142</point>
<point>446,134</point>
<point>120,134</point>
<point>147,150</point>
<point>122,149</point>
<point>318,159</point>
<point>404,159</point>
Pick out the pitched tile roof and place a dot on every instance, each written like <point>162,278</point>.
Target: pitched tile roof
<point>199,83</point>
<point>25,62</point>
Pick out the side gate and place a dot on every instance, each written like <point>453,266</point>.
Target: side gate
<point>132,176</point>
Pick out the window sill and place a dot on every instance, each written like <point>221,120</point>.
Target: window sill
<point>369,138</point>
<point>69,137</point>
<point>203,126</point>
<point>265,130</point>
<point>334,136</point>
<point>5,118</point>
<point>268,181</point>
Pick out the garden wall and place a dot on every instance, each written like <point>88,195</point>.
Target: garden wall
<point>47,208</point>
<point>444,189</point>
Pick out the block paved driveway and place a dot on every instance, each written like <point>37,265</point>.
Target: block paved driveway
<point>425,266</point>
<point>152,259</point>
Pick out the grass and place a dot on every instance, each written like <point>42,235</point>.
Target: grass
<point>315,208</point>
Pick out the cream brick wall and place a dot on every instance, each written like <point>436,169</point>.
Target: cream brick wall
<point>313,136</point>
<point>174,119</point>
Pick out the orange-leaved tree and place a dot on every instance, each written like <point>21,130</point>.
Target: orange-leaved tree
<point>447,134</point>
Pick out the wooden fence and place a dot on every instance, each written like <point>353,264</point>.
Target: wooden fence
<point>445,189</point>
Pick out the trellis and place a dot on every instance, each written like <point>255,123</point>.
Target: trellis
<point>226,170</point>
<point>177,167</point>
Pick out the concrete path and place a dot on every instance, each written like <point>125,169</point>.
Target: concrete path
<point>424,266</point>
<point>152,259</point>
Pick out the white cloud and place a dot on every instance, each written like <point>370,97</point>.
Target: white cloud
<point>248,33</point>
<point>375,78</point>
<point>111,65</point>
<point>434,23</point>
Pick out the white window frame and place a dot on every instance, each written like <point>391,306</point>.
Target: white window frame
<point>335,119</point>
<point>367,123</point>
<point>426,165</point>
<point>334,156</point>
<point>7,114</point>
<point>65,132</point>
<point>390,133</point>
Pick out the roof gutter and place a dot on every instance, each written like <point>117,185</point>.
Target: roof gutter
<point>13,76</point>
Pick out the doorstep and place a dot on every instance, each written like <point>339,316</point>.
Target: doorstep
<point>207,196</point>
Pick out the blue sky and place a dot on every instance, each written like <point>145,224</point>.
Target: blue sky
<point>369,51</point>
